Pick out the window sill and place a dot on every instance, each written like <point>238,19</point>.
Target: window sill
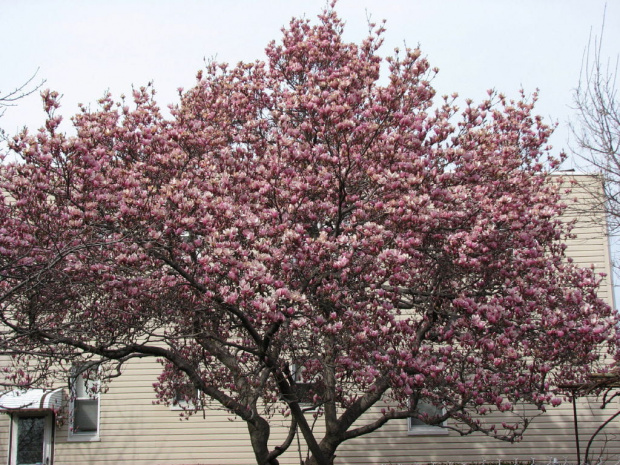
<point>428,431</point>
<point>182,408</point>
<point>85,437</point>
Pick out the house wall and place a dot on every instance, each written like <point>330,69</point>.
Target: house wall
<point>136,431</point>
<point>590,246</point>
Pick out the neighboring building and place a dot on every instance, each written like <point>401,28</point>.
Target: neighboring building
<point>125,426</point>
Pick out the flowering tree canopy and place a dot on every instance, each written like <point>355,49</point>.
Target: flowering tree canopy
<point>301,214</point>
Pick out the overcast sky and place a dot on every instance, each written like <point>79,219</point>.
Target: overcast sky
<point>83,48</point>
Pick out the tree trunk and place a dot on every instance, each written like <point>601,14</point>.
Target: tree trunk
<point>259,436</point>
<point>329,460</point>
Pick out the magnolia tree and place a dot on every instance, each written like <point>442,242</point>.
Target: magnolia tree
<point>302,215</point>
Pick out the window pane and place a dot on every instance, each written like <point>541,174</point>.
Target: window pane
<point>30,440</point>
<point>80,389</point>
<point>84,387</point>
<point>428,408</point>
<point>184,394</point>
<point>85,415</point>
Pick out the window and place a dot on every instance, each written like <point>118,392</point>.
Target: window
<point>305,389</point>
<point>418,427</point>
<point>186,397</point>
<point>31,438</point>
<point>84,410</point>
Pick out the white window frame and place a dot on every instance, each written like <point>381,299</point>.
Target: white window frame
<point>48,434</point>
<point>424,429</point>
<point>83,436</point>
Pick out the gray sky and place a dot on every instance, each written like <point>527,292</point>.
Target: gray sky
<point>84,47</point>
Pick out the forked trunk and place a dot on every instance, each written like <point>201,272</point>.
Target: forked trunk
<point>328,457</point>
<point>259,436</point>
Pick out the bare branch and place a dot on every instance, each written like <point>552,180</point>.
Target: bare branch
<point>10,98</point>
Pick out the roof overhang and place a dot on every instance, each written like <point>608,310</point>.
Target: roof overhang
<point>30,400</point>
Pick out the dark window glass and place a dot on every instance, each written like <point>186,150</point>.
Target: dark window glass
<point>30,432</point>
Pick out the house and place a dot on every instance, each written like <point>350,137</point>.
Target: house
<point>125,425</point>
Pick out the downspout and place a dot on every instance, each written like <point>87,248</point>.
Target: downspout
<point>576,425</point>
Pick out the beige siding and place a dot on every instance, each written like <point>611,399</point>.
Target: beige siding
<point>136,431</point>
<point>590,246</point>
<point>550,436</point>
<point>4,438</point>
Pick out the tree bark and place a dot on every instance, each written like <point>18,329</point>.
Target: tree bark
<point>259,436</point>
